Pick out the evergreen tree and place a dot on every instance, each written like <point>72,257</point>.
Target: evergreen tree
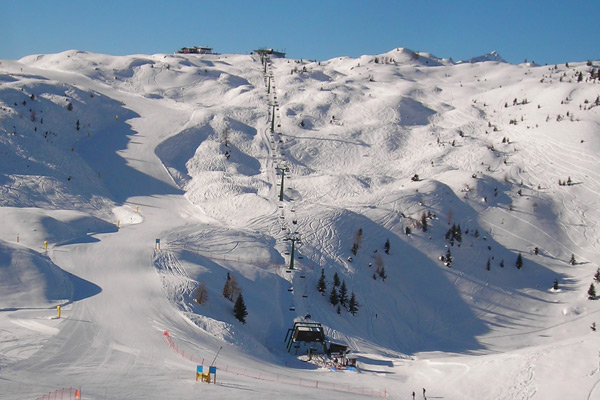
<point>239,309</point>
<point>387,246</point>
<point>353,304</point>
<point>333,297</point>
<point>488,265</point>
<point>201,293</point>
<point>336,280</point>
<point>592,292</point>
<point>407,230</point>
<point>339,309</point>
<point>519,262</point>
<point>424,222</point>
<point>382,273</point>
<point>501,263</point>
<point>448,258</point>
<point>572,260</point>
<point>343,297</point>
<point>354,249</point>
<point>597,275</point>
<point>555,284</point>
<point>322,285</point>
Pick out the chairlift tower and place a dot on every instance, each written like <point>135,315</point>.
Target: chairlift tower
<point>273,120</point>
<point>282,169</point>
<point>295,237</point>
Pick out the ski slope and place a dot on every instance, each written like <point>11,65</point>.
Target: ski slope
<point>189,150</point>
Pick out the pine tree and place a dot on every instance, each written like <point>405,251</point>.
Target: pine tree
<point>572,260</point>
<point>343,297</point>
<point>353,304</point>
<point>382,273</point>
<point>336,280</point>
<point>555,284</point>
<point>322,285</point>
<point>387,246</point>
<point>597,275</point>
<point>501,263</point>
<point>519,262</point>
<point>488,264</point>
<point>333,297</point>
<point>592,292</point>
<point>201,293</point>
<point>239,309</point>
<point>448,259</point>
<point>424,222</point>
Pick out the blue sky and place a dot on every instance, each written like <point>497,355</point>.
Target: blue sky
<point>542,31</point>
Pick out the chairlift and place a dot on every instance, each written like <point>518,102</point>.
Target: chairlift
<point>292,308</point>
<point>303,275</point>
<point>301,258</point>
<point>291,289</point>
<point>287,253</point>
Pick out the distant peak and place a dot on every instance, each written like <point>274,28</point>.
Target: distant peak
<point>492,56</point>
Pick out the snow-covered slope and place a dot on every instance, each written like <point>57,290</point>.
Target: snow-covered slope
<point>149,174</point>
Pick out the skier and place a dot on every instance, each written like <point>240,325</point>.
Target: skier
<point>413,395</point>
<point>425,397</point>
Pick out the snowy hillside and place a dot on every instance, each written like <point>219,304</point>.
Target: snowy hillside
<point>129,182</point>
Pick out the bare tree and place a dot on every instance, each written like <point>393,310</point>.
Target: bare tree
<point>201,293</point>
